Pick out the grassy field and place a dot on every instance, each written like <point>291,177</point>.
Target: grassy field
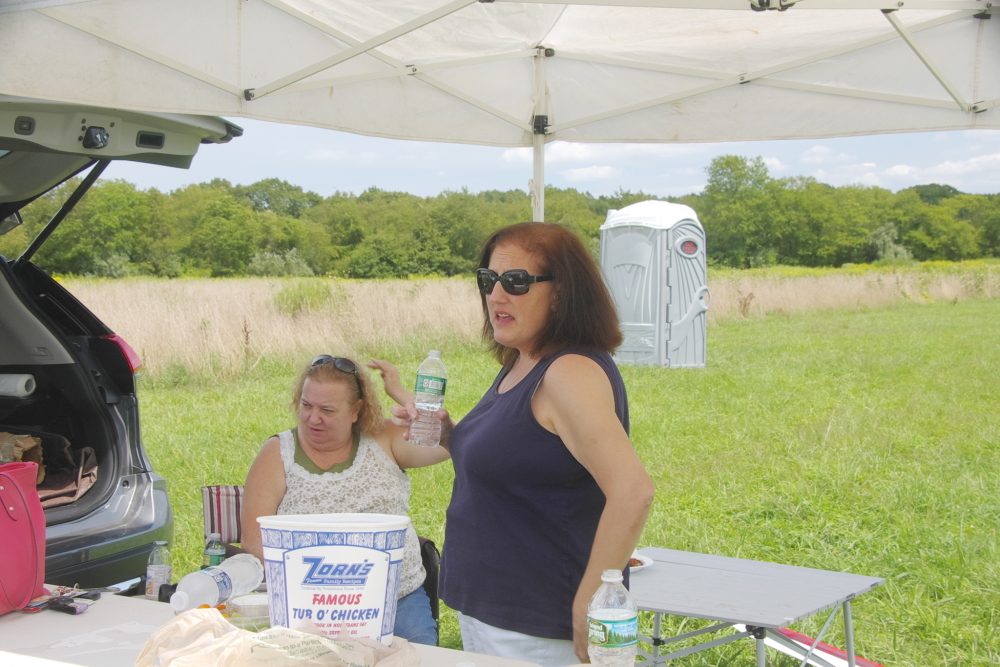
<point>862,437</point>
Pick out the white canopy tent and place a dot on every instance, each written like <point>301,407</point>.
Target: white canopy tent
<point>522,72</point>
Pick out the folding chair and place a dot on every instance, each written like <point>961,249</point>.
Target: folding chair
<point>221,505</point>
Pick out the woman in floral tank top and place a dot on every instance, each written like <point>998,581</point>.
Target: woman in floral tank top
<point>342,457</point>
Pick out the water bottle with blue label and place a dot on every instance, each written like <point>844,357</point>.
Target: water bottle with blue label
<point>429,398</point>
<point>613,623</point>
<point>213,585</point>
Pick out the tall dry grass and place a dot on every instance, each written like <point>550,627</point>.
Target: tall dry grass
<point>224,325</point>
<point>760,292</point>
<point>230,324</point>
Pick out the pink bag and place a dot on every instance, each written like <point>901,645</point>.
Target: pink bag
<point>22,536</point>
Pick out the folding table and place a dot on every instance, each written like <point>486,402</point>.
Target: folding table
<point>761,596</point>
<point>113,631</point>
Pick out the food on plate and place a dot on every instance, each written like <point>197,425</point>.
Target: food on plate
<point>635,562</point>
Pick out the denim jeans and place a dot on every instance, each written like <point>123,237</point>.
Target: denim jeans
<point>413,619</point>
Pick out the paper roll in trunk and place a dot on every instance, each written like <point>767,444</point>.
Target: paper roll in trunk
<point>17,385</point>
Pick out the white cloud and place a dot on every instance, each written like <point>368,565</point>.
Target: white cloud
<point>869,178</point>
<point>900,170</point>
<point>564,152</point>
<point>595,173</point>
<point>816,155</point>
<point>823,155</point>
<point>323,155</point>
<point>519,155</point>
<point>774,164</point>
<point>973,165</point>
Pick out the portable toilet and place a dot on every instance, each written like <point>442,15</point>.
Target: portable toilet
<point>653,257</point>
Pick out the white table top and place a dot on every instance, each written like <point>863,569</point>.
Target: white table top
<point>734,590</point>
<point>113,631</point>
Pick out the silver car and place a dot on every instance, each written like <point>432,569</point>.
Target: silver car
<point>83,406</point>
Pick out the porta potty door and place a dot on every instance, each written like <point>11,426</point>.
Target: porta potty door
<point>653,256</point>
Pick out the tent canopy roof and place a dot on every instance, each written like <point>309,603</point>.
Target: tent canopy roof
<point>502,72</point>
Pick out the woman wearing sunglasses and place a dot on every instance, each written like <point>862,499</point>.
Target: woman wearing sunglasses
<point>343,456</point>
<point>548,489</point>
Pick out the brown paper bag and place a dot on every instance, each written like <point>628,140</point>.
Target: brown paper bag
<point>14,448</point>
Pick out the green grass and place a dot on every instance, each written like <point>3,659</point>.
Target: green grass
<point>864,441</point>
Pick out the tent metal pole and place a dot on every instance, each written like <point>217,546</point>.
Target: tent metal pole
<point>745,4</point>
<point>358,49</point>
<point>140,50</point>
<point>538,178</point>
<point>926,60</point>
<point>757,76</point>
<point>539,125</point>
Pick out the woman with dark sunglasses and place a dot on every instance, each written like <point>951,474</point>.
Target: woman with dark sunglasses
<point>548,490</point>
<point>343,456</point>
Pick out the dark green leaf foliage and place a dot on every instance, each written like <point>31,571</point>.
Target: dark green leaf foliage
<point>275,228</point>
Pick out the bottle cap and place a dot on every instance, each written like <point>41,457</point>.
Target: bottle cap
<point>611,576</point>
<point>215,536</point>
<point>160,543</point>
<point>433,353</point>
<point>180,602</point>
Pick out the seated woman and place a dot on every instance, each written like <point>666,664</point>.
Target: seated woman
<point>343,456</point>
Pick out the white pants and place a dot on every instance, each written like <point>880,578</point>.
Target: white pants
<point>479,637</point>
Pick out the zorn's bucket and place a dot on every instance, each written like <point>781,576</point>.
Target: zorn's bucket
<point>338,571</point>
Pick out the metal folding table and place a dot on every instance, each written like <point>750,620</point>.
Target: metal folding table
<point>761,596</point>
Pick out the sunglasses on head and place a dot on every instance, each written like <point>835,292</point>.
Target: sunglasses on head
<point>342,364</point>
<point>515,281</point>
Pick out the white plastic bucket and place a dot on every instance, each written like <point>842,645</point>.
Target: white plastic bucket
<point>337,571</point>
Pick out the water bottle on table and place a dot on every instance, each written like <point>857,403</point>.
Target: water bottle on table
<point>613,622</point>
<point>215,551</point>
<point>214,585</point>
<point>429,398</point>
<point>158,570</point>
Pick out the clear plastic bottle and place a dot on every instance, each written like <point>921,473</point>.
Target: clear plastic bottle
<point>429,398</point>
<point>238,575</point>
<point>613,623</point>
<point>158,570</point>
<point>215,551</point>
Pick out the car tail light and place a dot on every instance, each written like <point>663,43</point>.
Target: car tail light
<point>134,362</point>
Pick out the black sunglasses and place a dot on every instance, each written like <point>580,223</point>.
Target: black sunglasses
<point>342,364</point>
<point>515,281</point>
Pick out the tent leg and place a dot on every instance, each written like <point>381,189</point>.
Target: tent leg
<point>538,178</point>
<point>540,121</point>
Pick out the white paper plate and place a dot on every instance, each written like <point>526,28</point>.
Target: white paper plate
<point>646,562</point>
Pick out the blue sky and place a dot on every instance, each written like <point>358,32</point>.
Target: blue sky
<point>326,161</point>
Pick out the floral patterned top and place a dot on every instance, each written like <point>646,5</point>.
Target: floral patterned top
<point>373,484</point>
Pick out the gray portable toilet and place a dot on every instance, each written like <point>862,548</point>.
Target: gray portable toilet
<point>653,256</point>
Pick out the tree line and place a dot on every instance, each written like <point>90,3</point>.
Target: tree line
<point>276,228</point>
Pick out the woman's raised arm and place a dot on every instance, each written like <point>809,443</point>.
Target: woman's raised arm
<point>391,380</point>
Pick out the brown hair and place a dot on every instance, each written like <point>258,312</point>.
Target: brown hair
<point>370,420</point>
<point>584,315</point>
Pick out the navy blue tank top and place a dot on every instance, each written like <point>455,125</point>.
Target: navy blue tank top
<point>523,512</point>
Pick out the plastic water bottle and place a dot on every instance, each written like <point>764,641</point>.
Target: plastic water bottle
<point>613,622</point>
<point>238,575</point>
<point>431,381</point>
<point>158,570</point>
<point>215,551</point>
